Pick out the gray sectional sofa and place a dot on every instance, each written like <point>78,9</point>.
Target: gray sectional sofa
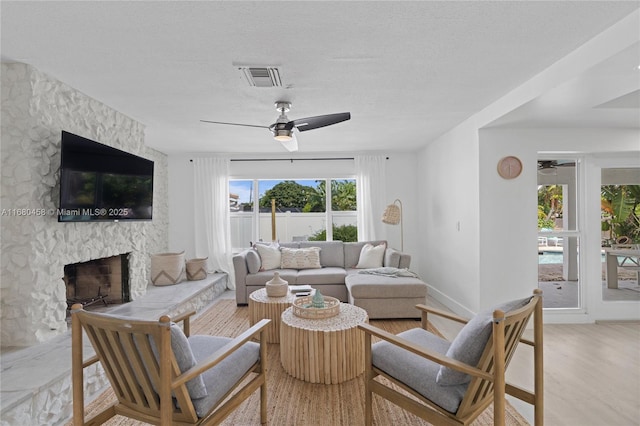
<point>381,296</point>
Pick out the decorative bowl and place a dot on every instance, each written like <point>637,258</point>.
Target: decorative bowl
<point>301,307</point>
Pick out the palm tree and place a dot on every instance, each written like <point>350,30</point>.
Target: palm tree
<point>621,208</point>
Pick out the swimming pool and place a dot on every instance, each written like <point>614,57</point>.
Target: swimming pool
<point>553,257</point>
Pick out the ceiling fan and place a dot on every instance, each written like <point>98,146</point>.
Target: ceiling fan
<point>282,129</point>
<point>550,166</point>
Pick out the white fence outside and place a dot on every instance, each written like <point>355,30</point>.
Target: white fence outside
<point>289,226</point>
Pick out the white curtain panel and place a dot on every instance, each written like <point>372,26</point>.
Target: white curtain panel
<point>211,207</point>
<point>371,196</point>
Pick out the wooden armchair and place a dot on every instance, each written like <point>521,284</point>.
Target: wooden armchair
<point>161,376</point>
<point>452,383</point>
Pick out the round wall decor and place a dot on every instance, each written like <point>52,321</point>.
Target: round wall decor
<point>509,167</point>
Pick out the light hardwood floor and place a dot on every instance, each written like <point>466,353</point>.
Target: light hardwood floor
<point>592,372</point>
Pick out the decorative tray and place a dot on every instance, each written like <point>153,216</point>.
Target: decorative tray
<point>302,308</point>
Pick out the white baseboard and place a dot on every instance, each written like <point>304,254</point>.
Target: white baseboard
<point>450,303</point>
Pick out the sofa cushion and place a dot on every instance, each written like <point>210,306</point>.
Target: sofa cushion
<point>270,256</point>
<point>302,258</point>
<point>365,286</point>
<point>331,252</point>
<point>470,342</point>
<point>371,256</point>
<point>260,278</point>
<point>329,275</point>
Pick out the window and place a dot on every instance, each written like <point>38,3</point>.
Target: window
<point>559,233</point>
<point>292,210</point>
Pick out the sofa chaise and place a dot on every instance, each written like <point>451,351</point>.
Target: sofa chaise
<point>337,269</point>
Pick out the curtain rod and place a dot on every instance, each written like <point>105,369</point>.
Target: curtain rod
<point>292,159</point>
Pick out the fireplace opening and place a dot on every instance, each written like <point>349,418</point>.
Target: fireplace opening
<point>98,282</point>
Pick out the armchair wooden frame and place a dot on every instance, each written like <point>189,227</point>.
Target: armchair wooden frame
<point>487,378</point>
<point>144,384</point>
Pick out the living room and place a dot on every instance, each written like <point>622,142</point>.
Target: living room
<point>471,233</point>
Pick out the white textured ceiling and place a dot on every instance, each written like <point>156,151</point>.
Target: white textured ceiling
<point>407,71</point>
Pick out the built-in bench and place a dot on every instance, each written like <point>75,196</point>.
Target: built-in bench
<point>36,381</point>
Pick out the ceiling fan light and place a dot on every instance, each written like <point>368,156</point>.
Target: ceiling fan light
<point>549,171</point>
<point>282,135</point>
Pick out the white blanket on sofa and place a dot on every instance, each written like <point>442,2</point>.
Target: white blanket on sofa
<point>388,271</point>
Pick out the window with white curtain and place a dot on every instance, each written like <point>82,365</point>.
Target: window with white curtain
<point>300,210</point>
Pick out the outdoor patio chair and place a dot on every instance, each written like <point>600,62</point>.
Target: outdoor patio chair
<point>161,376</point>
<point>452,383</point>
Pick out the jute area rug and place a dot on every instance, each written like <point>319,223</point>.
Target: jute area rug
<point>292,401</point>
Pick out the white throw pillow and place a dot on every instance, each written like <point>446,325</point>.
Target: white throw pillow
<point>371,257</point>
<point>304,258</point>
<point>270,256</point>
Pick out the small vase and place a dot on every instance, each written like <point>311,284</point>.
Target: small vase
<point>277,287</point>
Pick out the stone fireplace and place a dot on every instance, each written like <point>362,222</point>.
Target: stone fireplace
<point>98,282</point>
<point>35,246</point>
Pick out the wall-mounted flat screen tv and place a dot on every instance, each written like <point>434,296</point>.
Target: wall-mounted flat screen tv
<point>101,183</point>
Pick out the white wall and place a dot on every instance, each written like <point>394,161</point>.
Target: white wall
<point>458,183</point>
<point>448,210</point>
<point>401,183</point>
<point>508,212</point>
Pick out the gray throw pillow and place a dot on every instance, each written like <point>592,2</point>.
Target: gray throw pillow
<point>391,258</point>
<point>253,261</point>
<point>470,342</point>
<point>185,359</point>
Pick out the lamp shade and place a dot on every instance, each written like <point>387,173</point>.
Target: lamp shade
<point>392,214</point>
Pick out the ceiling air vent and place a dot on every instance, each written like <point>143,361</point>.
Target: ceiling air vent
<point>261,76</point>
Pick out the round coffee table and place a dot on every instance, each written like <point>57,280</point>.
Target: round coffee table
<point>262,306</point>
<point>327,350</point>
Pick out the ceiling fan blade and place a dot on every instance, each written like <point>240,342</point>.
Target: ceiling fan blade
<point>234,124</point>
<point>291,145</point>
<point>311,123</point>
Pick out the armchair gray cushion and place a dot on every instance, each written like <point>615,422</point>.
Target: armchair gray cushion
<point>417,372</point>
<point>185,359</point>
<point>470,342</point>
<point>221,378</point>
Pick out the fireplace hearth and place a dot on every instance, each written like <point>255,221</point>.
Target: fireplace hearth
<point>98,282</point>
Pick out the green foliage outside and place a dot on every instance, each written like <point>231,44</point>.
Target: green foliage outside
<point>549,205</point>
<point>291,195</point>
<point>543,221</point>
<point>620,206</point>
<point>344,233</point>
<point>288,194</point>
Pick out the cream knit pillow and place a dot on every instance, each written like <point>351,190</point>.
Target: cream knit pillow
<point>304,258</point>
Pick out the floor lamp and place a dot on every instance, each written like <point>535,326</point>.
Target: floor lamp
<point>392,216</point>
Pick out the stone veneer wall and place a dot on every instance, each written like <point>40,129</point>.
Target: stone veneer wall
<point>35,247</point>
